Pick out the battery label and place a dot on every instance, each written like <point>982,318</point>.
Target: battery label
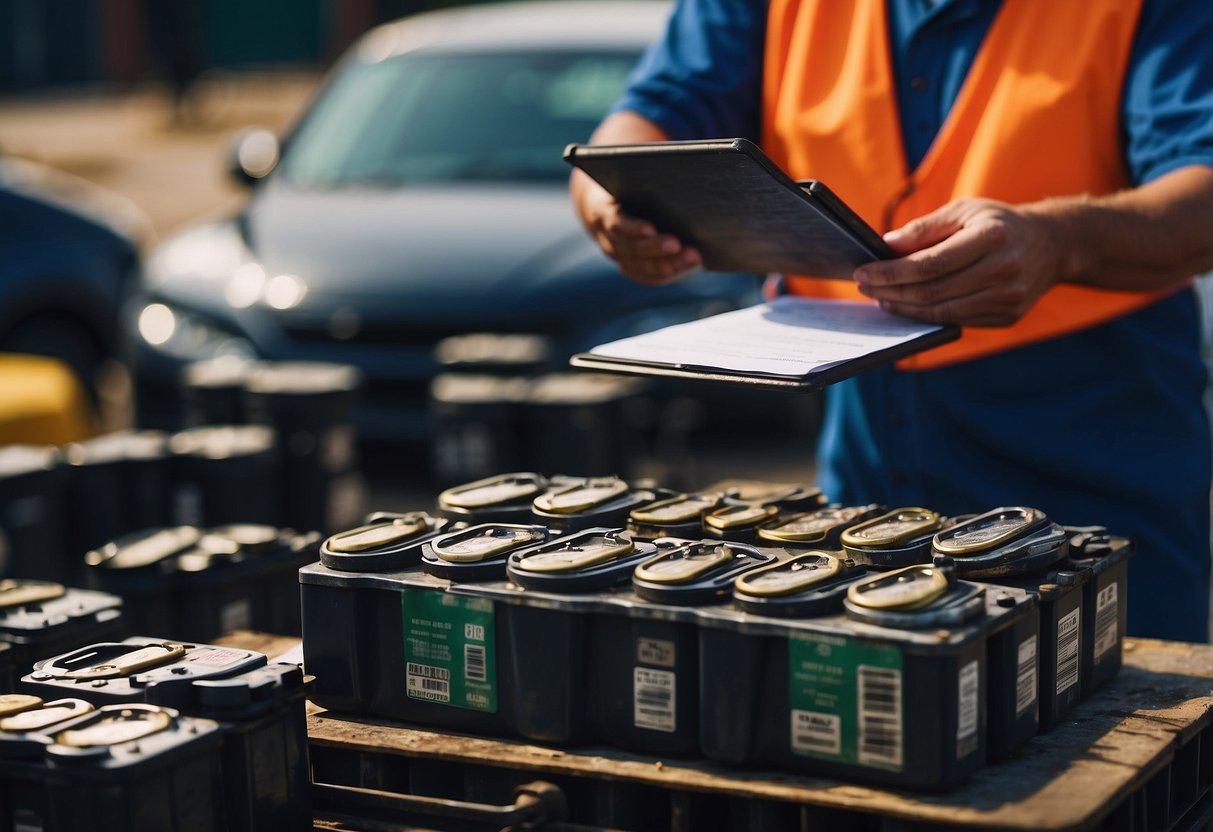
<point>656,652</point>
<point>1025,676</point>
<point>846,700</point>
<point>1106,618</point>
<point>968,695</point>
<point>1067,652</point>
<point>654,700</point>
<point>449,649</point>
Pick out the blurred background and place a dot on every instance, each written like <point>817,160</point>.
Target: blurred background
<point>353,210</point>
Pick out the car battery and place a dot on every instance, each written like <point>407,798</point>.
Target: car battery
<point>141,568</point>
<point>897,538</point>
<point>495,353</point>
<point>584,422</point>
<point>1016,546</point>
<point>892,690</point>
<point>1105,557</point>
<point>25,722</point>
<point>502,498</point>
<point>137,669</point>
<point>544,616</point>
<point>310,407</point>
<point>476,425</point>
<point>387,542</point>
<point>40,619</point>
<point>34,540</point>
<point>239,577</point>
<point>225,474</point>
<point>678,516</point>
<point>129,766</point>
<point>574,503</point>
<point>738,520</point>
<point>8,676</point>
<point>212,391</point>
<point>819,528</point>
<point>401,643</point>
<point>118,483</point>
<point>643,686</point>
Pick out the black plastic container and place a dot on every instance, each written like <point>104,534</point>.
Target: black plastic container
<point>34,539</point>
<point>502,498</point>
<point>574,503</point>
<point>1105,557</point>
<point>141,568</point>
<point>819,528</point>
<point>225,474</point>
<point>212,391</point>
<point>40,619</point>
<point>310,407</point>
<point>1017,546</point>
<point>475,423</point>
<point>874,701</point>
<point>897,538</point>
<point>137,669</point>
<point>8,678</point>
<point>133,766</point>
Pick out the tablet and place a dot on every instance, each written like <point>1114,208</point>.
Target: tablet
<point>726,198</point>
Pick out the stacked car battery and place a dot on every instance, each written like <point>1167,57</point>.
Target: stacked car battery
<point>746,623</point>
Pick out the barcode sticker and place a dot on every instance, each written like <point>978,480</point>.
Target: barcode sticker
<point>1067,651</point>
<point>880,718</point>
<point>816,733</point>
<point>967,709</point>
<point>1025,676</point>
<point>1107,615</point>
<point>427,682</point>
<point>474,665</point>
<point>654,700</point>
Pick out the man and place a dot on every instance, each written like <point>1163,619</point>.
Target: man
<point>1045,173</point>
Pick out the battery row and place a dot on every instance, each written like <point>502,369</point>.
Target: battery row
<point>746,624</point>
<point>153,734</point>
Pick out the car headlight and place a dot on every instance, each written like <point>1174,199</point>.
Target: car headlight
<point>188,336</point>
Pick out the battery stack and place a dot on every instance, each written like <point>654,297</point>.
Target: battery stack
<point>753,626</point>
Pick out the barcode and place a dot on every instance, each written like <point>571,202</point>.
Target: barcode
<point>653,705</point>
<point>424,681</point>
<point>816,733</point>
<point>1025,676</point>
<point>880,727</point>
<point>968,690</point>
<point>474,666</point>
<point>1067,652</point>
<point>1106,620</point>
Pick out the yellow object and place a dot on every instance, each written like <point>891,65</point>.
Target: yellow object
<point>41,402</point>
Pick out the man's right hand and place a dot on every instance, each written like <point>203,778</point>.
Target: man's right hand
<point>643,254</point>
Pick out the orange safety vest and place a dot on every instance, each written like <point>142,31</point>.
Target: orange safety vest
<point>1038,116</point>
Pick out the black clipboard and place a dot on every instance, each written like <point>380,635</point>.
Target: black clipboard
<point>726,198</point>
<point>808,381</point>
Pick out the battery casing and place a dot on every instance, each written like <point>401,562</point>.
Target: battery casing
<point>53,626</point>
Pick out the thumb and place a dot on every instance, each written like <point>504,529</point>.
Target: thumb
<point>925,231</point>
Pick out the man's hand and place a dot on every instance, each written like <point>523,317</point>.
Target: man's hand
<point>641,252</point>
<point>975,262</point>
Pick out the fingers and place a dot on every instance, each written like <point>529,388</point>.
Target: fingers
<point>643,254</point>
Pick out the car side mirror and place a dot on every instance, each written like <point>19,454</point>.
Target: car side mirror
<point>251,155</point>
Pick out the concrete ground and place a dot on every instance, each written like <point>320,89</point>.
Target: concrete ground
<point>171,164</point>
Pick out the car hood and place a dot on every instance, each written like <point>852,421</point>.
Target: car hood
<point>458,252</point>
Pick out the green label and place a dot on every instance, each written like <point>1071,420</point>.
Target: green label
<point>449,652</point>
<point>846,700</point>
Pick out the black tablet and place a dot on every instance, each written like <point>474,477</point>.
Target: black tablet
<point>726,198</point>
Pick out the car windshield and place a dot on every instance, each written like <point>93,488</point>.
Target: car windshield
<point>454,117</point>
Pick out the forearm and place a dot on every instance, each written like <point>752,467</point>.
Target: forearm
<point>622,127</point>
<point>1146,238</point>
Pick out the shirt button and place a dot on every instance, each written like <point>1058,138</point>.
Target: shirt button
<point>919,84</point>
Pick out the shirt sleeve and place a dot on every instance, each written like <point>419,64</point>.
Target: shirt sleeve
<point>1168,95</point>
<point>703,77</point>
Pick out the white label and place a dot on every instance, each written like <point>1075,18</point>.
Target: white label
<point>968,694</point>
<point>475,668</point>
<point>816,733</point>
<point>1025,676</point>
<point>236,615</point>
<point>1067,652</point>
<point>880,723</point>
<point>1107,614</point>
<point>215,658</point>
<point>654,700</point>
<point>656,652</point>
<point>425,681</point>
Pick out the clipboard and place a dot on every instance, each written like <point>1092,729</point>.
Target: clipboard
<point>806,344</point>
<point>730,201</point>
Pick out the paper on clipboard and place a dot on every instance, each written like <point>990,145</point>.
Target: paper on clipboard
<point>789,336</point>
